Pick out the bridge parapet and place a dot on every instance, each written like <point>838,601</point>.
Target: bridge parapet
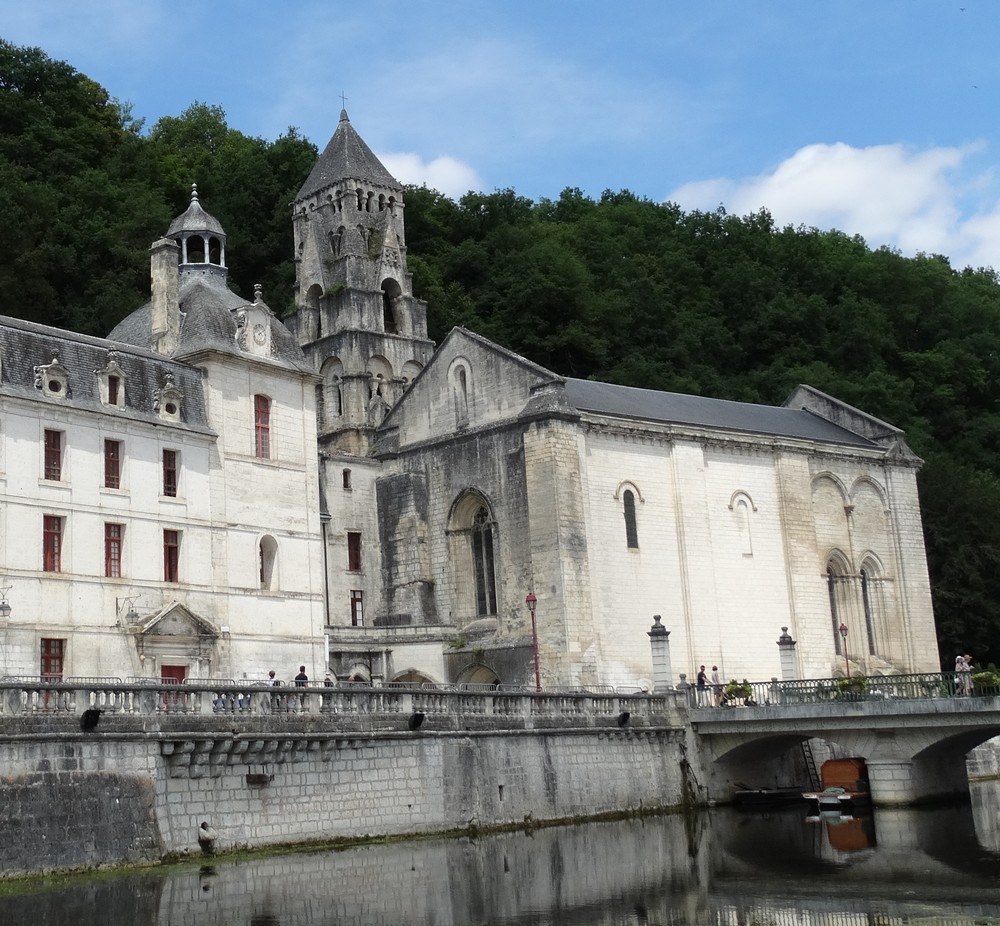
<point>777,693</point>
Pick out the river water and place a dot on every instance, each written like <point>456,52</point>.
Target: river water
<point>722,866</point>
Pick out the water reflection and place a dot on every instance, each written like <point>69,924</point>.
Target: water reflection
<point>722,867</point>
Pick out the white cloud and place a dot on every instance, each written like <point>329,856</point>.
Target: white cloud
<point>889,194</point>
<point>445,174</point>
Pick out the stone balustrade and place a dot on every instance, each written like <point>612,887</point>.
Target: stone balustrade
<point>22,697</point>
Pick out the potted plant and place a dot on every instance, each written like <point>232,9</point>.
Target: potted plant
<point>853,688</point>
<point>737,691</point>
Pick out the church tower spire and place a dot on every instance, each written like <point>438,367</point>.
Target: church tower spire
<point>356,316</point>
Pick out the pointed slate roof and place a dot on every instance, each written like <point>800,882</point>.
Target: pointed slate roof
<point>346,157</point>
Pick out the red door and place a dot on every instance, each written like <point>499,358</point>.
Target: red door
<point>172,675</point>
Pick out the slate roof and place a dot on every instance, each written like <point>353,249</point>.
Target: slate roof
<point>25,345</point>
<point>346,157</point>
<point>195,219</point>
<point>209,323</point>
<point>698,411</point>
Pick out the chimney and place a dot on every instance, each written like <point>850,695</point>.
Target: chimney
<point>166,314</point>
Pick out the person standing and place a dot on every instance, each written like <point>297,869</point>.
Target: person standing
<point>301,680</point>
<point>963,675</point>
<point>702,687</point>
<point>717,685</point>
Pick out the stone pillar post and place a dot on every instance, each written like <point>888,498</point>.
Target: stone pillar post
<point>786,651</point>
<point>659,644</point>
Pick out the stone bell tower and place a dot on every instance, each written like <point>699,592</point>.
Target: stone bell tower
<point>356,318</point>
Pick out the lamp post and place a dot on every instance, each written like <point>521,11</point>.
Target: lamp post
<point>532,602</point>
<point>847,662</point>
<point>5,608</point>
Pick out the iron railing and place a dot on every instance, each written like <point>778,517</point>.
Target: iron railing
<point>776,693</point>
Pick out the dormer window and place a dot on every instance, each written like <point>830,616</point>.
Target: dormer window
<point>167,401</point>
<point>52,379</point>
<point>111,382</point>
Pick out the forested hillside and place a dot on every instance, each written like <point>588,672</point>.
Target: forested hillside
<point>620,289</point>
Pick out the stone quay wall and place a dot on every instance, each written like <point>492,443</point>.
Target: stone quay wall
<point>271,767</point>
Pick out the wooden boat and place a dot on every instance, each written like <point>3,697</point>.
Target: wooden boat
<point>845,786</point>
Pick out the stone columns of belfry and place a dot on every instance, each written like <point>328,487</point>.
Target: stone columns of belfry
<point>659,644</point>
<point>786,650</point>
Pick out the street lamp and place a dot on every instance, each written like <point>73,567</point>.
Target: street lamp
<point>532,602</point>
<point>847,662</point>
<point>5,608</point>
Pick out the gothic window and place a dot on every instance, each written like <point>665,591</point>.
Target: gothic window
<point>483,565</point>
<point>631,533</point>
<point>268,562</point>
<point>346,477</point>
<point>262,426</point>
<point>361,200</point>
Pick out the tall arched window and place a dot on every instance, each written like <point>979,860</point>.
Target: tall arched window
<point>871,614</point>
<point>831,582</point>
<point>268,556</point>
<point>631,533</point>
<point>483,565</point>
<point>461,391</point>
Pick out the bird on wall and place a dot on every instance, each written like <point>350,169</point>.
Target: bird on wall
<point>90,719</point>
<point>206,838</point>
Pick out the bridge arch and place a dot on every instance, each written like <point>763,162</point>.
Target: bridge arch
<point>915,748</point>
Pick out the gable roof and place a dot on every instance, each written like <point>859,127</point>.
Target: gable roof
<point>699,411</point>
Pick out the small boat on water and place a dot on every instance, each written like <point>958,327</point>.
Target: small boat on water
<point>766,797</point>
<point>845,786</point>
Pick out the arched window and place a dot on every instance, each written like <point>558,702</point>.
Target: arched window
<point>390,293</point>
<point>268,556</point>
<point>460,389</point>
<point>869,598</point>
<point>631,533</point>
<point>832,583</point>
<point>483,565</point>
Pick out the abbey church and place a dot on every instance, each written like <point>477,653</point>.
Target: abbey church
<point>212,492</point>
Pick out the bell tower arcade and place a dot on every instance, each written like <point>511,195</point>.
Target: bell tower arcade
<point>356,316</point>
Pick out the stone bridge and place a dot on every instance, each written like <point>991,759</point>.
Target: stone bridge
<point>914,732</point>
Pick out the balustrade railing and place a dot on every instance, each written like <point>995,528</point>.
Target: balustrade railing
<point>23,695</point>
<point>777,693</point>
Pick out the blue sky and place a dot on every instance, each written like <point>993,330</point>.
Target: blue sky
<point>877,117</point>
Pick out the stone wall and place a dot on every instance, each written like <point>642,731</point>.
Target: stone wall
<point>138,786</point>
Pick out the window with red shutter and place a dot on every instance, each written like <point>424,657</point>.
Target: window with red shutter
<point>262,426</point>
